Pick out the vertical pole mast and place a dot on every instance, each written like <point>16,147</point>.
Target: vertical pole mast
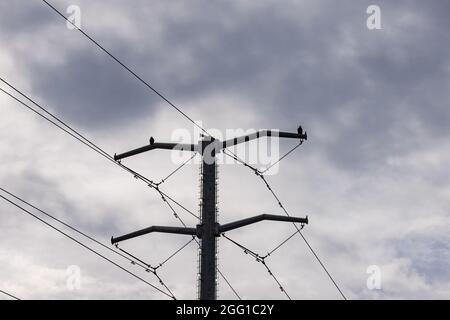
<point>209,229</point>
<point>208,226</point>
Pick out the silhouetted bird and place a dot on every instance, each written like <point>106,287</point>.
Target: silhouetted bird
<point>152,140</point>
<point>300,130</point>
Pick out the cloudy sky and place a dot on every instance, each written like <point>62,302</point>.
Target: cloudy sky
<point>373,176</point>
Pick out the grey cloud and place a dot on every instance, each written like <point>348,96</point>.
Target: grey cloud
<point>364,96</point>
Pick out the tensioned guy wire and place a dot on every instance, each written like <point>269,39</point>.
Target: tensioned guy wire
<point>136,261</point>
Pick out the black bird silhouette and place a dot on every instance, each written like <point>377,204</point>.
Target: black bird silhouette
<point>300,130</point>
<point>152,140</point>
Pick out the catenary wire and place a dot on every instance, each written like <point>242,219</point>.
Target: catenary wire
<point>78,136</point>
<point>258,173</point>
<point>70,226</point>
<point>136,260</point>
<point>85,246</point>
<point>281,158</point>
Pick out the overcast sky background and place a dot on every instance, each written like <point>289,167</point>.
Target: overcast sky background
<point>373,176</point>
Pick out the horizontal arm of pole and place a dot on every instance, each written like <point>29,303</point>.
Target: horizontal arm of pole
<point>157,145</point>
<point>262,217</point>
<point>263,133</point>
<point>161,229</point>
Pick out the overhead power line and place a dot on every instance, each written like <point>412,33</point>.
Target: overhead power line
<point>209,228</point>
<point>304,239</point>
<point>176,170</point>
<point>136,261</point>
<point>280,245</point>
<point>175,253</point>
<point>75,134</point>
<point>261,175</point>
<point>60,124</point>
<point>94,147</point>
<point>83,245</point>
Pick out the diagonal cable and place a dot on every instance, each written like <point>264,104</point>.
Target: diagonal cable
<point>9,295</point>
<point>123,65</point>
<point>97,149</point>
<point>136,260</point>
<point>283,157</point>
<point>78,136</point>
<point>198,244</point>
<point>229,284</point>
<point>296,227</point>
<point>304,239</point>
<point>261,260</point>
<point>85,246</point>
<point>177,169</point>
<point>281,244</point>
<point>175,253</point>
